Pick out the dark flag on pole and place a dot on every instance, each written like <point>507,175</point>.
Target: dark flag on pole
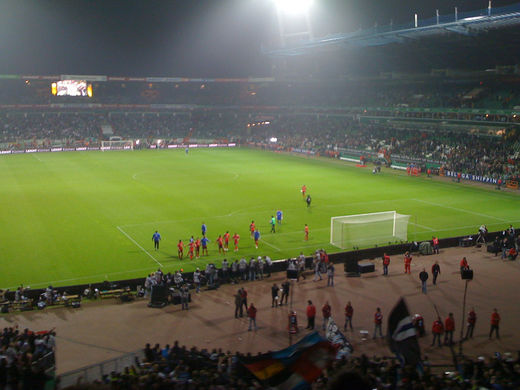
<point>402,338</point>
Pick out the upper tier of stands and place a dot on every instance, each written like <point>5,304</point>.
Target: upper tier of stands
<point>427,92</point>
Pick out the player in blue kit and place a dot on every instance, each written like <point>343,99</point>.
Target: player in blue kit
<point>279,217</point>
<point>156,238</point>
<point>204,242</point>
<point>256,237</point>
<point>204,229</point>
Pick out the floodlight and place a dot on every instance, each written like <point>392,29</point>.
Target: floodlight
<point>293,6</point>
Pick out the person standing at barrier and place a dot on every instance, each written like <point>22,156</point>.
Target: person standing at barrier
<point>301,266</point>
<point>196,280</point>
<point>311,315</point>
<point>386,263</point>
<point>435,242</point>
<point>330,275</point>
<point>407,263</point>
<point>436,270</point>
<point>185,297</point>
<point>317,273</point>
<point>349,313</point>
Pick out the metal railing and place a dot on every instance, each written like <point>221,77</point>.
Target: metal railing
<point>96,371</point>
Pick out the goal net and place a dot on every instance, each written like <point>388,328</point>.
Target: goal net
<point>363,230</point>
<point>124,144</point>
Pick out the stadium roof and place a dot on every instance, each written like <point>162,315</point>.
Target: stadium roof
<point>466,24</point>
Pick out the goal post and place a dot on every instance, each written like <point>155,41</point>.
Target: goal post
<point>124,144</point>
<point>363,230</point>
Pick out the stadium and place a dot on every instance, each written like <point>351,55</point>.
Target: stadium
<point>180,195</point>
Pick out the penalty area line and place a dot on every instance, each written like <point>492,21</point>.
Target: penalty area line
<point>139,246</point>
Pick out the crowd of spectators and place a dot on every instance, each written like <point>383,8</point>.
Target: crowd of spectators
<point>26,358</point>
<point>465,152</point>
<point>424,91</point>
<point>177,367</point>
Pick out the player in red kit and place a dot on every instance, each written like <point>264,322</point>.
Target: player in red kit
<point>306,230</point>
<point>252,228</point>
<point>304,190</point>
<point>236,238</point>
<point>220,243</point>
<point>197,247</point>
<point>191,249</point>
<point>226,241</point>
<point>180,249</point>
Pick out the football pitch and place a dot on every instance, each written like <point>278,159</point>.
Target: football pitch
<point>79,217</point>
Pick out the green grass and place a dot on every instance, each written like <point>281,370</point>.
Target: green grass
<point>69,218</point>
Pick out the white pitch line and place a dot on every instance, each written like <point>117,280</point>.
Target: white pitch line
<point>53,282</point>
<point>139,246</point>
<point>461,210</point>
<point>271,245</point>
<point>422,226</point>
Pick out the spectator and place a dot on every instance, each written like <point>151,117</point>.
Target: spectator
<point>311,315</point>
<point>251,313</point>
<point>378,323</point>
<point>326,311</point>
<point>349,313</point>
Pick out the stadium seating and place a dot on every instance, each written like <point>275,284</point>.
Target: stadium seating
<point>178,367</point>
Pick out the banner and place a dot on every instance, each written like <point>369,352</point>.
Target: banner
<point>294,367</point>
<point>467,176</point>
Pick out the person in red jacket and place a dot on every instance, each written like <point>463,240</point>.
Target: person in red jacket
<point>326,310</point>
<point>464,264</point>
<point>495,322</point>
<point>472,320</point>
<point>349,313</point>
<point>437,330</point>
<point>311,315</point>
<point>251,313</point>
<point>386,263</point>
<point>407,263</point>
<point>435,242</point>
<point>378,322</point>
<point>449,328</point>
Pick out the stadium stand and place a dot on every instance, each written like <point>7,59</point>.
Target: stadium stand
<point>179,367</point>
<point>27,359</point>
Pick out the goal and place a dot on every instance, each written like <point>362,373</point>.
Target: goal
<point>124,144</point>
<point>363,230</point>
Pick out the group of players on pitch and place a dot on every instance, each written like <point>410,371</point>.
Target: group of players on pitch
<point>198,245</point>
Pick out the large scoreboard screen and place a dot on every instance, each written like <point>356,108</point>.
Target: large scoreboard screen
<point>71,88</point>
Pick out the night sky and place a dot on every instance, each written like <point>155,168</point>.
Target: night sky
<point>197,38</point>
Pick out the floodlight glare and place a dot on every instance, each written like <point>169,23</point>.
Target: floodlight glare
<point>293,6</point>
